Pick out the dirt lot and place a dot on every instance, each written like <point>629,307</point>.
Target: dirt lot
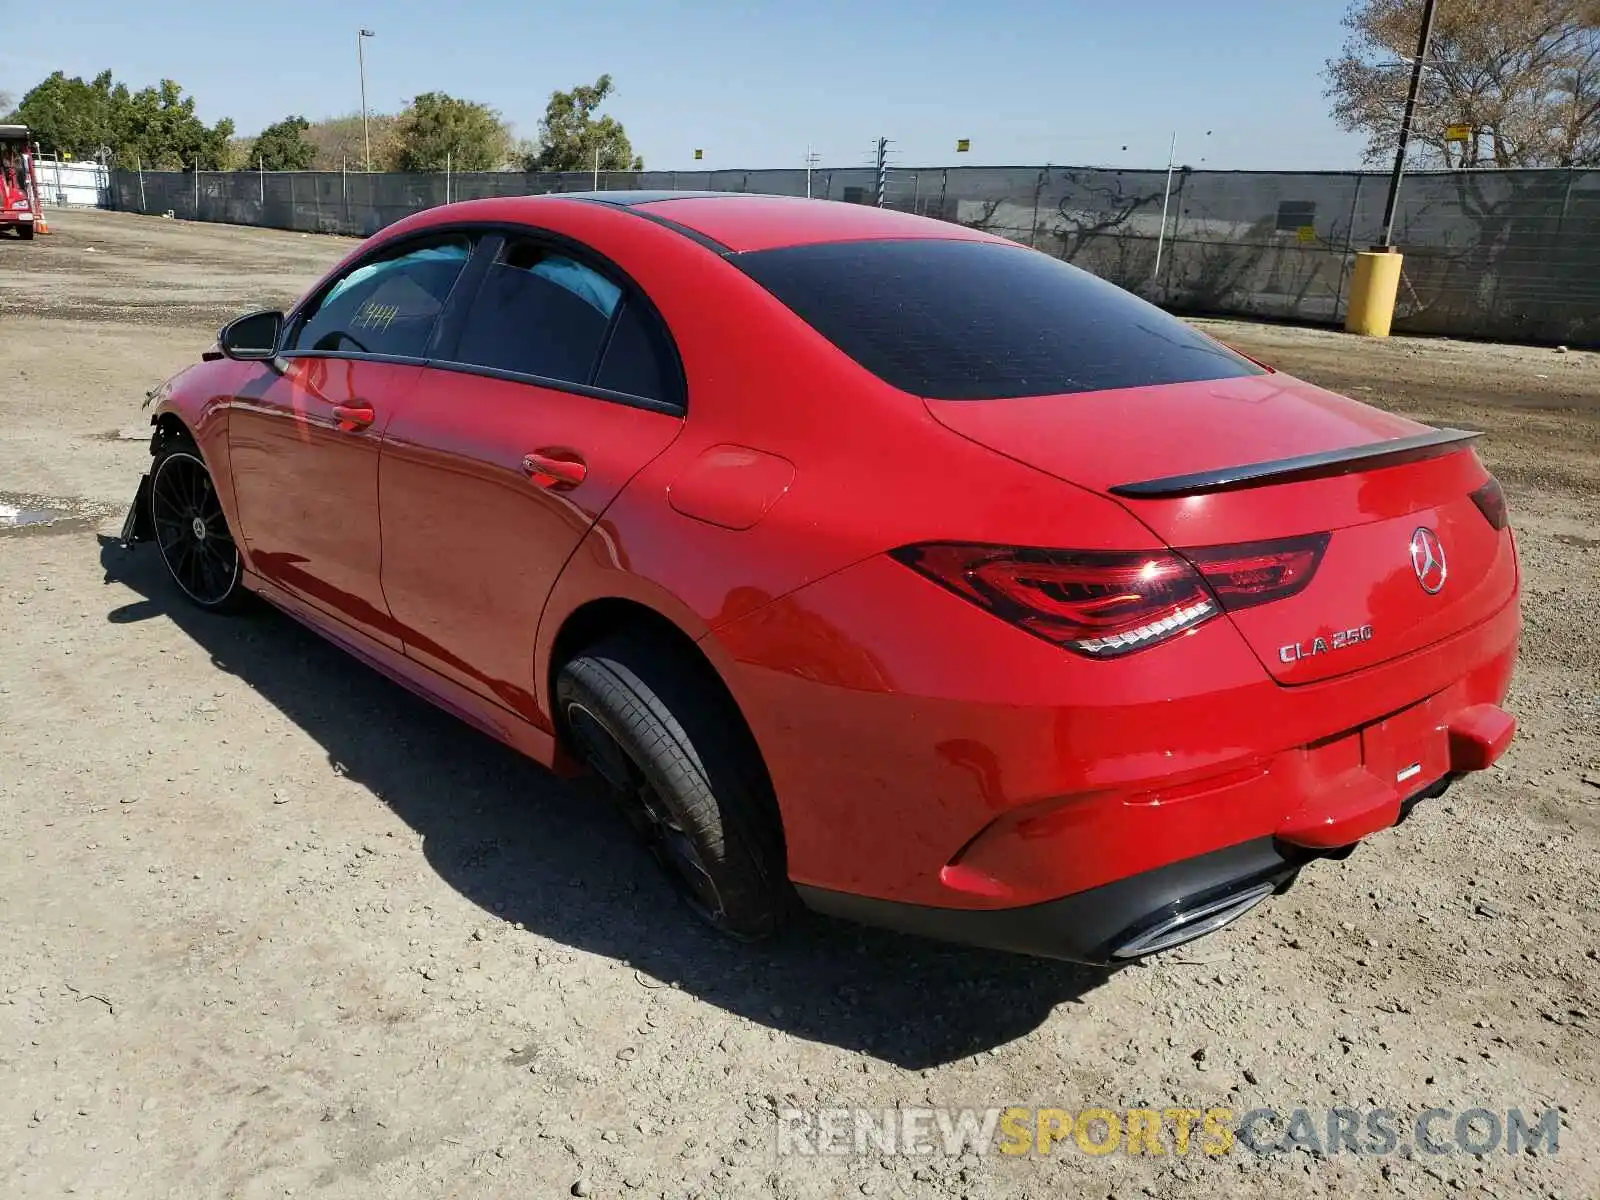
<point>272,926</point>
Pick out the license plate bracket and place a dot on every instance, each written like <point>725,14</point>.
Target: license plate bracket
<point>1408,749</point>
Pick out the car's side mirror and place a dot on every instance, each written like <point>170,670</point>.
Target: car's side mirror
<point>253,337</point>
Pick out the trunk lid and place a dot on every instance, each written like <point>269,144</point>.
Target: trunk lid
<point>1367,602</point>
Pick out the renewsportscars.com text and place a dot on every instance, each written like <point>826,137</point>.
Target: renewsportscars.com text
<point>1164,1131</point>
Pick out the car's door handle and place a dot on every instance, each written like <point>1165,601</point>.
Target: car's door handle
<point>353,416</point>
<point>556,468</point>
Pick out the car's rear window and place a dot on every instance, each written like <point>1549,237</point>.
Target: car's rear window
<point>958,320</point>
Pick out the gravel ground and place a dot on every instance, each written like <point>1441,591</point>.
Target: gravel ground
<point>273,926</point>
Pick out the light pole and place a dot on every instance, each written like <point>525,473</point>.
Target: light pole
<point>361,63</point>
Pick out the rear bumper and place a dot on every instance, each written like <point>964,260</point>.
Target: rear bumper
<point>1093,926</point>
<point>1129,918</point>
<point>927,755</point>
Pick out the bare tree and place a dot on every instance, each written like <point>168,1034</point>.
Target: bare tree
<point>1522,75</point>
<point>340,141</point>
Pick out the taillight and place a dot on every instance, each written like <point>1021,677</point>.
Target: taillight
<point>1258,572</point>
<point>1097,603</point>
<point>1491,502</point>
<point>1108,603</point>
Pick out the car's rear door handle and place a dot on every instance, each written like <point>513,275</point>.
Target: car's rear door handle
<point>556,468</point>
<point>353,416</point>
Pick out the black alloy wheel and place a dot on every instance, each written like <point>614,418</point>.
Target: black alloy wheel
<point>191,530</point>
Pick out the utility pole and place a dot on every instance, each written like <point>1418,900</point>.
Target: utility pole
<point>812,158</point>
<point>1375,283</point>
<point>361,64</point>
<point>883,170</point>
<point>597,168</point>
<point>1405,123</point>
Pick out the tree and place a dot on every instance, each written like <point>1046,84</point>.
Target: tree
<point>74,116</point>
<point>340,142</point>
<point>162,130</point>
<point>283,147</point>
<point>570,135</point>
<point>156,125</point>
<point>437,130</point>
<point>1523,74</point>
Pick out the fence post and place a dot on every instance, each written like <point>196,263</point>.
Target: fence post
<point>197,189</point>
<point>1177,219</point>
<point>138,164</point>
<point>1566,202</point>
<point>1349,244</point>
<point>1038,189</point>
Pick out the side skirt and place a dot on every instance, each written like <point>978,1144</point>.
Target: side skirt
<point>454,699</point>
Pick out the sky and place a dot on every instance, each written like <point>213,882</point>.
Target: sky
<point>755,85</point>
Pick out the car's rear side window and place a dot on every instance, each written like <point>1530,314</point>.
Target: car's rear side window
<point>959,320</point>
<point>637,360</point>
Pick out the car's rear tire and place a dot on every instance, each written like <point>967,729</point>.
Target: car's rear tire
<point>191,530</point>
<point>25,232</point>
<point>642,715</point>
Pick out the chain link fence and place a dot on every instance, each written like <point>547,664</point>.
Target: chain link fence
<point>1500,254</point>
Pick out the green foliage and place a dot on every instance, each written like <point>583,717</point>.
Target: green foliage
<point>155,125</point>
<point>282,147</point>
<point>570,134</point>
<point>436,129</point>
<point>74,116</point>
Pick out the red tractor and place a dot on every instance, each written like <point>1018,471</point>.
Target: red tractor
<point>19,190</point>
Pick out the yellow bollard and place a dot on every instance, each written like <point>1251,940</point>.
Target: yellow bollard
<point>1372,292</point>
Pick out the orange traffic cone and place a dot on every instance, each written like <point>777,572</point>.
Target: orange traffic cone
<point>40,225</point>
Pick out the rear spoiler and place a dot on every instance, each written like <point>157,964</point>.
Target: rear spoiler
<point>1325,463</point>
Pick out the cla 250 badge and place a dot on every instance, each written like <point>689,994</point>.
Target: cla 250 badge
<point>1341,639</point>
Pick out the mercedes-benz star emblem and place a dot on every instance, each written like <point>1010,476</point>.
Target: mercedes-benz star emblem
<point>1427,559</point>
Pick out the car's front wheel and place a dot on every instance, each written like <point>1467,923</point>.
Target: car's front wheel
<point>191,530</point>
<point>673,755</point>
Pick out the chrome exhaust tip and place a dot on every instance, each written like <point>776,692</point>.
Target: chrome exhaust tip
<point>1195,921</point>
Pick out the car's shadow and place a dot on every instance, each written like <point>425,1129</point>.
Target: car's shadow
<point>528,847</point>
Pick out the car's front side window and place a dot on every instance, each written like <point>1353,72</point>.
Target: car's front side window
<point>539,313</point>
<point>385,306</point>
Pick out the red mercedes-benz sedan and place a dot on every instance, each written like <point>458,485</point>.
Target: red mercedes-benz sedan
<point>871,561</point>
